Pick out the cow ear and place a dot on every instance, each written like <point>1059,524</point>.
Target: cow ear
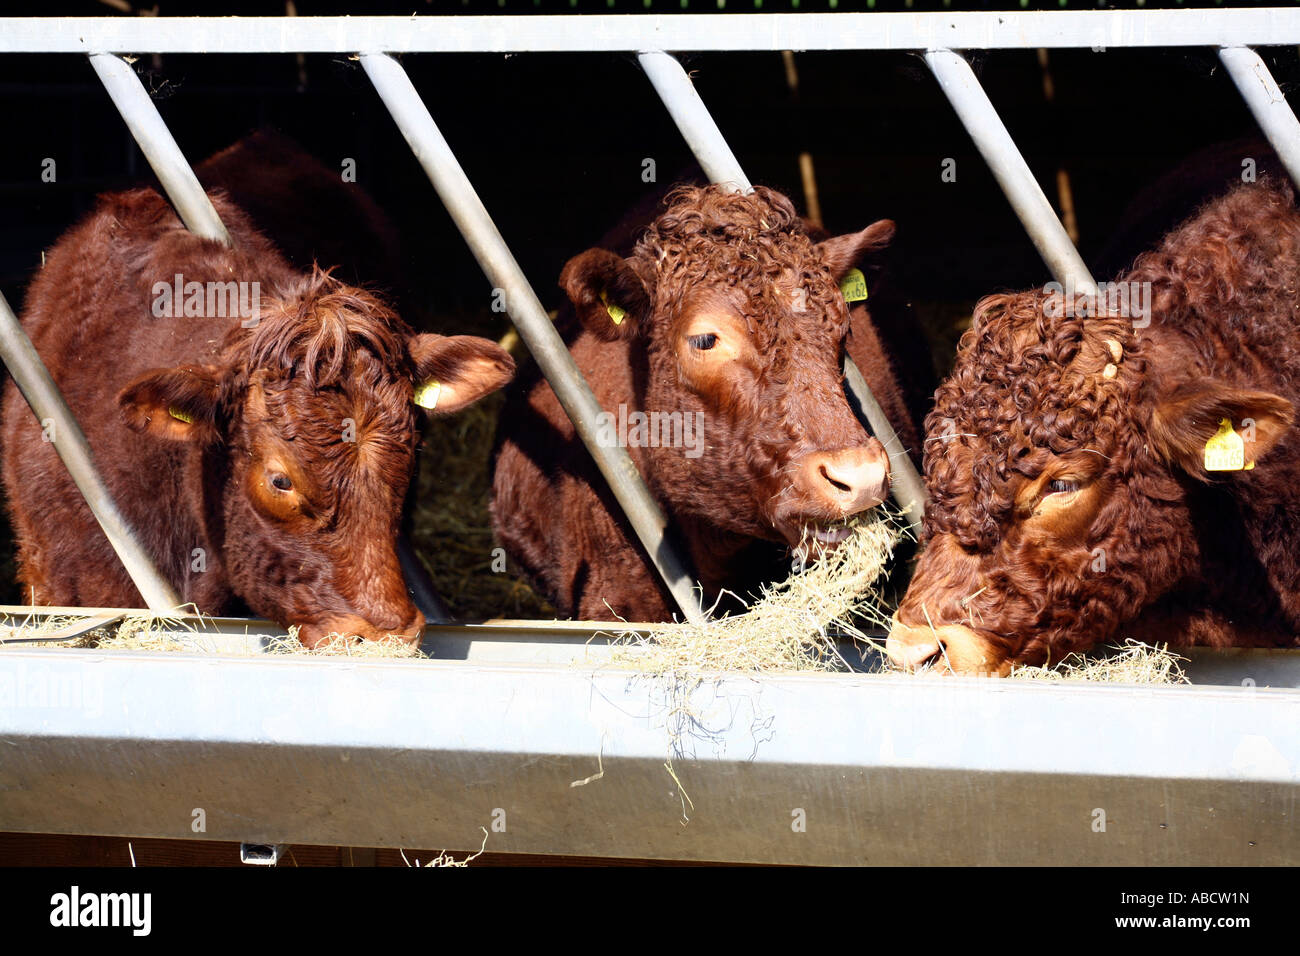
<point>1188,427</point>
<point>179,404</point>
<point>608,295</point>
<point>843,253</point>
<point>454,371</point>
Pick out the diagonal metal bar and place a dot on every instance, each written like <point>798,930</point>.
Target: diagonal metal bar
<point>1000,152</point>
<point>710,147</point>
<point>1267,102</point>
<point>693,119</point>
<point>37,386</point>
<point>535,328</point>
<point>159,147</point>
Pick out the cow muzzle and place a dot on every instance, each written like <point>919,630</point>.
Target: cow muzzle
<point>846,481</point>
<point>351,626</point>
<point>947,649</point>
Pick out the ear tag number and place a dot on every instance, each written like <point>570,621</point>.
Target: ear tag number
<point>854,286</point>
<point>179,415</point>
<point>616,313</point>
<point>1225,451</point>
<point>426,394</point>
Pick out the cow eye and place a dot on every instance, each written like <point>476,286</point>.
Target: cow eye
<point>1062,486</point>
<point>703,342</point>
<point>281,483</point>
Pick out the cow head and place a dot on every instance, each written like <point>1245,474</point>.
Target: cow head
<point>1060,458</point>
<point>738,318</point>
<point>309,428</point>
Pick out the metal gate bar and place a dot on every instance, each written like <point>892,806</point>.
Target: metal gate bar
<point>1000,152</point>
<point>37,386</point>
<point>719,163</point>
<point>693,119</point>
<point>1267,101</point>
<point>528,642</point>
<point>159,147</point>
<point>535,327</point>
<point>620,33</point>
<point>419,753</point>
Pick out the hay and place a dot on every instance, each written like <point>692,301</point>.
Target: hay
<point>149,632</point>
<point>146,633</point>
<point>1130,663</point>
<point>446,859</point>
<point>793,626</point>
<point>451,526</point>
<point>796,624</point>
<point>27,633</point>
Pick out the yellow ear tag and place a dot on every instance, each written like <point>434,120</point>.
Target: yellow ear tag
<point>616,313</point>
<point>426,394</point>
<point>176,413</point>
<point>1225,451</point>
<point>854,286</point>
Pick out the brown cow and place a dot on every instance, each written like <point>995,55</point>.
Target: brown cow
<point>1083,481</point>
<point>715,350</point>
<point>261,453</point>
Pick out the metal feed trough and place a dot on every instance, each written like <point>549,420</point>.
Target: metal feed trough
<point>520,727</point>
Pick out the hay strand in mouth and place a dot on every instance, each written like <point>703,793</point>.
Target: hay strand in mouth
<point>793,626</point>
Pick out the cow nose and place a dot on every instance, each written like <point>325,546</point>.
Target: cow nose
<point>911,657</point>
<point>911,648</point>
<point>352,625</point>
<point>849,480</point>
<point>947,648</point>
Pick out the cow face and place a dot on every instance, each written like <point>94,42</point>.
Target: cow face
<point>309,430</point>
<point>739,319</point>
<point>1061,464</point>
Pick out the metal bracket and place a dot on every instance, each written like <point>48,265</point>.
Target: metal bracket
<point>261,854</point>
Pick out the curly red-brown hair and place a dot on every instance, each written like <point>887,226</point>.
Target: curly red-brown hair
<point>1065,454</point>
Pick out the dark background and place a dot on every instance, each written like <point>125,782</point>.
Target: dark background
<point>555,144</point>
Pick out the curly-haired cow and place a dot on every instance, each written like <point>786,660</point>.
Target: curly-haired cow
<point>1092,475</point>
<point>254,423</point>
<point>715,349</point>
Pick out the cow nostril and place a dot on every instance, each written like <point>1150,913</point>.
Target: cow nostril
<point>849,480</point>
<point>838,485</point>
<point>934,660</point>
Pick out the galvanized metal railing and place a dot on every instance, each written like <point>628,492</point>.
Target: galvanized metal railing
<point>621,33</point>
